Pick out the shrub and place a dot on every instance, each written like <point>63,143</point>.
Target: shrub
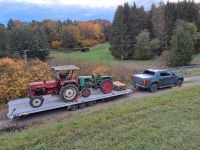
<point>165,58</point>
<point>15,76</point>
<point>145,48</point>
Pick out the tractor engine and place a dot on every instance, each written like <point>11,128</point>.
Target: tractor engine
<point>43,87</point>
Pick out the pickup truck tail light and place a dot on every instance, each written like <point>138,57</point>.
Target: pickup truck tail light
<point>145,82</point>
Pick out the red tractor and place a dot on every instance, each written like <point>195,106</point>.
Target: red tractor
<point>64,85</point>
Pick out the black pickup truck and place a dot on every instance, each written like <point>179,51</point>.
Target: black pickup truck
<point>152,79</point>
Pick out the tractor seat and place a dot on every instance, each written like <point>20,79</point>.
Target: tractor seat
<point>64,77</point>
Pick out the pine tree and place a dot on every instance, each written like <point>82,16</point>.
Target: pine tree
<point>118,34</point>
<point>182,47</point>
<point>10,24</point>
<point>3,38</point>
<point>128,23</point>
<point>188,11</point>
<point>170,20</point>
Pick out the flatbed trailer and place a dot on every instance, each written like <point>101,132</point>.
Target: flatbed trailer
<point>21,107</point>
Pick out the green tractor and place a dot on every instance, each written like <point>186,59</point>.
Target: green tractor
<point>95,81</point>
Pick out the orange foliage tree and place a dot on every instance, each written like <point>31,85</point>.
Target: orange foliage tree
<point>15,76</point>
<point>90,33</point>
<point>56,44</point>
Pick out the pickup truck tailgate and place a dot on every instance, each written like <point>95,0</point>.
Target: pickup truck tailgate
<point>139,79</point>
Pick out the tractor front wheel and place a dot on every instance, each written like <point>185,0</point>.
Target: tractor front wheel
<point>69,92</point>
<point>106,86</point>
<point>36,101</point>
<point>85,92</point>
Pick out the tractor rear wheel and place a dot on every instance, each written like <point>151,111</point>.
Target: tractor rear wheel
<point>69,92</point>
<point>106,86</point>
<point>36,101</point>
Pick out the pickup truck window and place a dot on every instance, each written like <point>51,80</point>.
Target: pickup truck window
<point>165,74</point>
<point>149,72</point>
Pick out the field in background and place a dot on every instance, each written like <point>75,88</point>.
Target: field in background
<point>166,121</point>
<point>99,54</point>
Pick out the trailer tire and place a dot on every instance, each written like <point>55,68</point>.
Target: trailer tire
<point>69,92</point>
<point>82,105</point>
<point>106,86</point>
<point>91,103</point>
<point>36,101</point>
<point>73,107</point>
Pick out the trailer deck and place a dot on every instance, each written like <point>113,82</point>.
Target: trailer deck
<point>21,107</point>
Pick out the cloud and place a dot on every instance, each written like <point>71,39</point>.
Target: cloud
<point>83,3</point>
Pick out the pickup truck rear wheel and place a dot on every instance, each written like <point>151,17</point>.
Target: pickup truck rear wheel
<point>179,83</point>
<point>154,88</point>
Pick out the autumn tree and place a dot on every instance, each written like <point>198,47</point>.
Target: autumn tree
<point>53,30</point>
<point>90,33</point>
<point>70,36</point>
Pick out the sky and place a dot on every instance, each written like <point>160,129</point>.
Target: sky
<point>83,10</point>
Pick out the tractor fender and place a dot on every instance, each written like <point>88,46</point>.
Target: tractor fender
<point>69,82</point>
<point>103,78</point>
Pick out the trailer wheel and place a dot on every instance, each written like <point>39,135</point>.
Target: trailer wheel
<point>73,107</point>
<point>82,105</point>
<point>85,93</point>
<point>106,86</point>
<point>91,103</point>
<point>69,92</point>
<point>36,101</point>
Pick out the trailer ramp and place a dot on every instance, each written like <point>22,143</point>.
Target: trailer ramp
<point>21,107</point>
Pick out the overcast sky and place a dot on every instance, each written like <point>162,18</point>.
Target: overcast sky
<point>27,10</point>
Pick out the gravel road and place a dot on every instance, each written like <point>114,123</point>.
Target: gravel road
<point>17,124</point>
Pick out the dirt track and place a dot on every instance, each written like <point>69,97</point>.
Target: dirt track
<point>17,124</point>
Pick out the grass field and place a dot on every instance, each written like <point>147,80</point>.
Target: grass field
<point>166,121</point>
<point>100,54</point>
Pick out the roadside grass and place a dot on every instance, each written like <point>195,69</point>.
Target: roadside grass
<point>166,121</point>
<point>192,73</point>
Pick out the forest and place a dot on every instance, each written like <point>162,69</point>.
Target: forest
<point>169,30</point>
<point>48,34</point>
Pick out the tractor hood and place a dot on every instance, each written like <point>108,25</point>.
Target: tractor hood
<point>84,77</point>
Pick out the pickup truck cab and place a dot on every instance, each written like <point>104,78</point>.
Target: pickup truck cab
<point>154,79</point>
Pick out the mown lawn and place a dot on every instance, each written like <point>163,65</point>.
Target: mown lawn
<point>167,121</point>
